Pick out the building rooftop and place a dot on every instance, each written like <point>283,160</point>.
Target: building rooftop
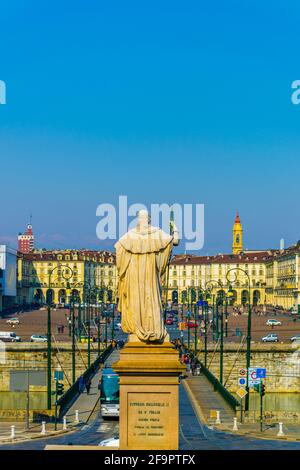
<point>69,255</point>
<point>245,257</point>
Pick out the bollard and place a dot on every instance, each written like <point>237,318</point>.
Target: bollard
<point>13,433</point>
<point>280,432</point>
<point>235,426</point>
<point>218,420</point>
<point>76,416</point>
<point>43,431</point>
<point>65,423</point>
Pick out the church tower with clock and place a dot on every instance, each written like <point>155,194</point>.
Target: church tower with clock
<point>237,236</point>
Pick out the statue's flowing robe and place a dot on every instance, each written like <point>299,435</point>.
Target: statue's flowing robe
<point>142,260</point>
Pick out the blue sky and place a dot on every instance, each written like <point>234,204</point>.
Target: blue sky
<point>164,101</point>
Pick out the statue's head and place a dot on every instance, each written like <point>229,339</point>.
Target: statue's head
<point>143,219</point>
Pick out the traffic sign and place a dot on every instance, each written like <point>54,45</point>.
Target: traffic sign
<point>242,382</point>
<point>261,373</point>
<point>58,375</point>
<point>254,378</point>
<point>241,392</point>
<point>242,372</point>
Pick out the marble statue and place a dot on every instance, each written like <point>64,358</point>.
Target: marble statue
<point>143,255</point>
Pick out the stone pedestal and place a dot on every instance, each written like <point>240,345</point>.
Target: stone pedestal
<point>149,406</point>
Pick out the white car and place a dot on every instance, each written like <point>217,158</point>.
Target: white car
<point>8,336</point>
<point>13,321</point>
<point>270,338</point>
<point>39,339</point>
<point>111,442</point>
<point>295,338</point>
<point>272,322</point>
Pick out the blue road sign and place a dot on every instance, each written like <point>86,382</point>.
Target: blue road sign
<point>58,375</point>
<point>242,381</point>
<point>260,373</point>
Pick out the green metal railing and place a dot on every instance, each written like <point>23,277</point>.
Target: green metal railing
<point>73,392</point>
<point>228,397</point>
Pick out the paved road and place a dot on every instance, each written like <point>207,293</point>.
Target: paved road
<point>195,435</point>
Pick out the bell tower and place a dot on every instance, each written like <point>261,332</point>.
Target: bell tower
<point>237,236</point>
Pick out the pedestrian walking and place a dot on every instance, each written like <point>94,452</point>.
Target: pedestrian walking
<point>88,386</point>
<point>81,384</point>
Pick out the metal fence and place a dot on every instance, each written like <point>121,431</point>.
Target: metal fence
<point>68,398</point>
<point>228,397</point>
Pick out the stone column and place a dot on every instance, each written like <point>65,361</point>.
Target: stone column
<point>149,405</point>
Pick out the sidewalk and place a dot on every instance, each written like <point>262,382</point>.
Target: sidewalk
<point>86,404</point>
<point>34,431</point>
<point>208,400</point>
<point>205,400</point>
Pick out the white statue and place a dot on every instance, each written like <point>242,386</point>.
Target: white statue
<point>143,256</point>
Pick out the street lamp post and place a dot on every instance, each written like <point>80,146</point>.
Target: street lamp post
<point>79,319</point>
<point>226,317</point>
<point>49,377</point>
<point>248,351</point>
<point>49,329</point>
<point>209,285</point>
<point>113,323</point>
<point>98,332</point>
<point>196,328</point>
<point>221,346</point>
<point>204,313</point>
<point>89,330</point>
<point>106,330</point>
<point>73,340</point>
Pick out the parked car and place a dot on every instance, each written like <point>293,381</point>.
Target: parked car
<point>13,321</point>
<point>272,322</point>
<point>111,442</point>
<point>38,339</point>
<point>9,337</point>
<point>295,338</point>
<point>270,338</point>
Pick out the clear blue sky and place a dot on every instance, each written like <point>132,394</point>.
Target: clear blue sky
<point>165,101</point>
